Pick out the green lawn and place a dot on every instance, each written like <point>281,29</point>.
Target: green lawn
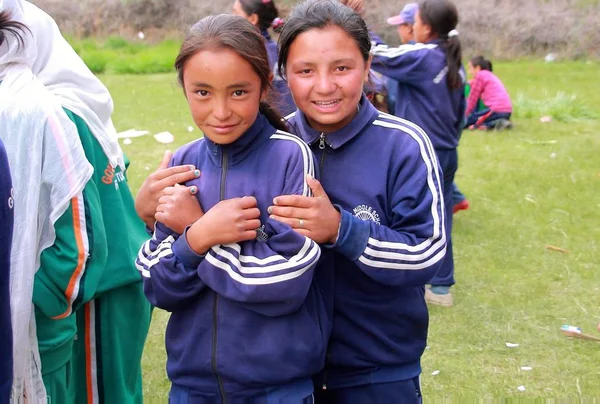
<point>537,185</point>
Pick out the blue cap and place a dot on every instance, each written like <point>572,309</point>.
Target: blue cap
<point>406,16</point>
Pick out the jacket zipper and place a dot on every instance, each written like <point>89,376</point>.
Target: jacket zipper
<point>224,163</point>
<point>322,144</point>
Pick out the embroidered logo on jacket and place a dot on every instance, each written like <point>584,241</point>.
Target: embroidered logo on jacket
<point>365,213</point>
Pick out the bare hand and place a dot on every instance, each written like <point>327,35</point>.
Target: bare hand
<point>315,218</point>
<point>152,188</point>
<point>229,221</point>
<point>178,207</point>
<point>357,5</point>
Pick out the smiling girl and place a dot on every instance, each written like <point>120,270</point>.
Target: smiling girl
<point>247,321</point>
<point>380,208</point>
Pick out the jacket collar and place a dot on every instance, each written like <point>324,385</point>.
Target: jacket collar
<point>259,132</point>
<point>367,113</point>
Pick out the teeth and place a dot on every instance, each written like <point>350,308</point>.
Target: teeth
<point>326,103</point>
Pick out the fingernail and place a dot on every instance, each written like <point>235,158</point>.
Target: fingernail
<point>309,176</point>
<point>197,173</point>
<point>275,201</point>
<point>191,167</point>
<point>193,190</point>
<point>270,209</point>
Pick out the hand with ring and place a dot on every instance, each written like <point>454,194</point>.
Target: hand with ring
<point>314,217</point>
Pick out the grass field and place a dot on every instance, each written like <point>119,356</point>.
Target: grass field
<point>537,185</point>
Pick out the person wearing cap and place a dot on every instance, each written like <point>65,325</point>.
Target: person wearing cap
<point>404,25</point>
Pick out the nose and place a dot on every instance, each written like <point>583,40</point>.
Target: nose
<point>325,83</point>
<point>221,110</point>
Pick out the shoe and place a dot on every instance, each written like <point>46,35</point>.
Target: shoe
<point>462,205</point>
<point>437,299</point>
<point>503,124</point>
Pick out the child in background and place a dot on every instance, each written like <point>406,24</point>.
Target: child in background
<point>404,25</point>
<point>263,14</point>
<point>431,94</point>
<point>488,88</point>
<point>248,323</point>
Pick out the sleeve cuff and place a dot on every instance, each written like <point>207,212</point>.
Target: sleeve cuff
<point>185,254</point>
<point>353,237</point>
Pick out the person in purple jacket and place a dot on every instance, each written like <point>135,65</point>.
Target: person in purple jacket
<point>379,208</point>
<point>431,94</point>
<point>6,218</point>
<point>248,323</point>
<point>263,14</point>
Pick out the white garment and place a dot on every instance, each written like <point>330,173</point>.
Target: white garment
<point>48,168</point>
<point>65,74</point>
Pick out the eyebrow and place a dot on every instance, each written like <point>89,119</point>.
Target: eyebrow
<point>242,84</point>
<point>335,62</point>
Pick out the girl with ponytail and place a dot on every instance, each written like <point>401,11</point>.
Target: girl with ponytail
<point>431,94</point>
<point>263,14</point>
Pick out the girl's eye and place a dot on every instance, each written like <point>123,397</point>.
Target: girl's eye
<point>342,68</point>
<point>202,93</point>
<point>305,71</point>
<point>238,93</point>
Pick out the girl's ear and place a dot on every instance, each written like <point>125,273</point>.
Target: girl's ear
<point>253,19</point>
<point>367,69</point>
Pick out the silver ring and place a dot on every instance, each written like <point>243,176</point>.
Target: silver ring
<point>301,224</point>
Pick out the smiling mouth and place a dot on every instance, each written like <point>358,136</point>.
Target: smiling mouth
<point>326,103</point>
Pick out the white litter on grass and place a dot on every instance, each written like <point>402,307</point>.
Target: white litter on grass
<point>529,199</point>
<point>190,128</point>
<point>526,368</point>
<point>435,373</point>
<point>131,133</point>
<point>552,155</point>
<point>164,137</point>
<point>147,168</point>
<point>126,141</point>
<point>551,57</point>
<point>511,345</point>
<point>546,119</point>
<point>521,388</point>
<point>141,35</point>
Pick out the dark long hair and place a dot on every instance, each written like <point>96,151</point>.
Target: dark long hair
<point>320,14</point>
<point>442,16</point>
<point>8,26</point>
<point>482,62</point>
<point>235,33</point>
<point>265,10</point>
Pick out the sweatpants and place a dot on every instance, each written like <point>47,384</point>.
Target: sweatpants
<point>111,332</point>
<point>404,392</point>
<point>449,162</point>
<point>58,385</point>
<point>486,118</point>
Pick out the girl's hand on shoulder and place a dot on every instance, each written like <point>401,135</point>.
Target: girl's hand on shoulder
<point>152,189</point>
<point>314,217</point>
<point>229,221</point>
<point>178,207</point>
